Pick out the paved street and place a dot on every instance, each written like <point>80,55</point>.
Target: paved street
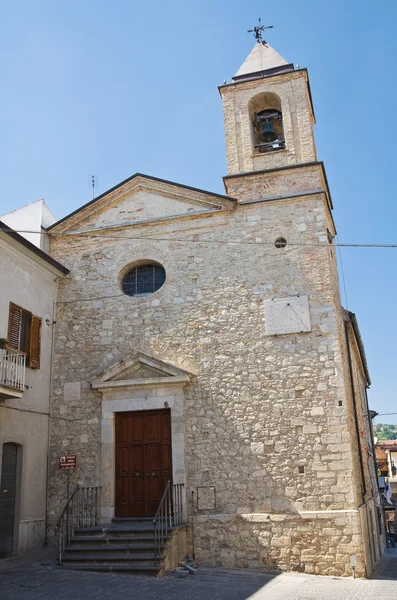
<point>39,578</point>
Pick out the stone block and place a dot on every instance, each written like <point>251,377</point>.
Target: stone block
<point>257,447</point>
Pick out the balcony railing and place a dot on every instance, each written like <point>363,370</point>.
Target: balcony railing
<point>12,369</point>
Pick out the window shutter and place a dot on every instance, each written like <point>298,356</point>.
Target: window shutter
<point>35,343</point>
<point>14,326</point>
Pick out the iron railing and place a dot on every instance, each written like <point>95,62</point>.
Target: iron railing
<point>81,510</point>
<point>177,504</point>
<point>169,514</point>
<point>12,369</point>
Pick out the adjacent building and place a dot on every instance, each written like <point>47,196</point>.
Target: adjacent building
<point>28,278</point>
<point>386,454</point>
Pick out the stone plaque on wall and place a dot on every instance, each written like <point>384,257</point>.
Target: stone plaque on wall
<point>72,391</point>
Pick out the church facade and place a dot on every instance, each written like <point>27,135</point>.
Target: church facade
<point>200,339</point>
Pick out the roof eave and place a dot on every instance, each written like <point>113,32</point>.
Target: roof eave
<point>351,318</point>
<point>24,242</point>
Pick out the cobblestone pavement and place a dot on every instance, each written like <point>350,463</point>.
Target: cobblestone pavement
<point>37,577</point>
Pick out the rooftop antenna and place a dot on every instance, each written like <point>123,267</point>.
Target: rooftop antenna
<point>257,31</point>
<point>93,183</point>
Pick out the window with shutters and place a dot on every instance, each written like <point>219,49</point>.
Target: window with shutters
<point>24,334</point>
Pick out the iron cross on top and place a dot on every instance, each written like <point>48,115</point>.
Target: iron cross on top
<point>257,31</point>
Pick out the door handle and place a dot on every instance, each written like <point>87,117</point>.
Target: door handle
<point>151,475</point>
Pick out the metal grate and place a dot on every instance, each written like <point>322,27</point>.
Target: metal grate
<point>143,280</point>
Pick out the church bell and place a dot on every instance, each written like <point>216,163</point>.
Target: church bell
<point>268,134</point>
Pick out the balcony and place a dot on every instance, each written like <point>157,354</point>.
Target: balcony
<point>12,373</point>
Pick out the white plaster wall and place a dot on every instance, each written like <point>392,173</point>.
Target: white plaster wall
<point>26,281</point>
<point>31,217</point>
<point>47,217</point>
<point>31,535</point>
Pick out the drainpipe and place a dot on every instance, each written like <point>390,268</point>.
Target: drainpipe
<point>353,392</point>
<point>193,540</point>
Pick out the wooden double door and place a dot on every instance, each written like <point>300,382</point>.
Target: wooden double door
<point>143,461</point>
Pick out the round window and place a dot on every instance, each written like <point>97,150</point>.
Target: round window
<point>143,280</point>
<point>280,242</point>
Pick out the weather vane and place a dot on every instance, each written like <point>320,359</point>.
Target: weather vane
<point>257,31</point>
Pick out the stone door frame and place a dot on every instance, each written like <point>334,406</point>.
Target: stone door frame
<point>147,392</point>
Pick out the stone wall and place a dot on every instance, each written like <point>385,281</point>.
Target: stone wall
<point>258,407</point>
<point>298,120</point>
<point>317,543</point>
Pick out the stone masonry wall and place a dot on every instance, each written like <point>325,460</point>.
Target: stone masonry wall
<point>294,180</point>
<point>259,406</point>
<point>317,543</point>
<point>298,120</point>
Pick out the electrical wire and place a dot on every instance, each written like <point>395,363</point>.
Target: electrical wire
<point>90,299</point>
<point>151,238</point>
<point>385,414</point>
<point>86,234</point>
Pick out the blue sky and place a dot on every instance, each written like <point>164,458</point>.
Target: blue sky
<point>113,88</point>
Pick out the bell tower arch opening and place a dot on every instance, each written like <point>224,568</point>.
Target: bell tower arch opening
<point>267,108</point>
<point>267,123</point>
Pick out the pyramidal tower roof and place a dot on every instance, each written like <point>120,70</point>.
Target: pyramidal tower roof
<point>262,60</point>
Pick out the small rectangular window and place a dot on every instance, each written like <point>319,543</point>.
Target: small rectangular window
<point>24,334</point>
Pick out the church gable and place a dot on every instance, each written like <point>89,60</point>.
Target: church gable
<point>142,206</point>
<point>141,200</point>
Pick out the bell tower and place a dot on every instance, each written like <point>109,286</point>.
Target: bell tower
<point>268,114</point>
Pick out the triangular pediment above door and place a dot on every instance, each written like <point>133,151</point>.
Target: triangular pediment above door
<point>140,369</point>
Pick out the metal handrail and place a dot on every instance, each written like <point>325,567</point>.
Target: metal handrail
<point>81,510</point>
<point>67,504</point>
<point>168,515</point>
<point>162,522</point>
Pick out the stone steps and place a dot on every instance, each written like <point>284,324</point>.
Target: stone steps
<point>115,531</point>
<point>109,557</point>
<point>110,540</point>
<point>125,545</point>
<point>152,570</point>
<point>103,546</point>
<point>135,520</point>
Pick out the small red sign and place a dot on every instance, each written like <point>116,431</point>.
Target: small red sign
<point>68,462</point>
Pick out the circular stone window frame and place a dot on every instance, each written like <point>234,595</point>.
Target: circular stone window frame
<point>139,263</point>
